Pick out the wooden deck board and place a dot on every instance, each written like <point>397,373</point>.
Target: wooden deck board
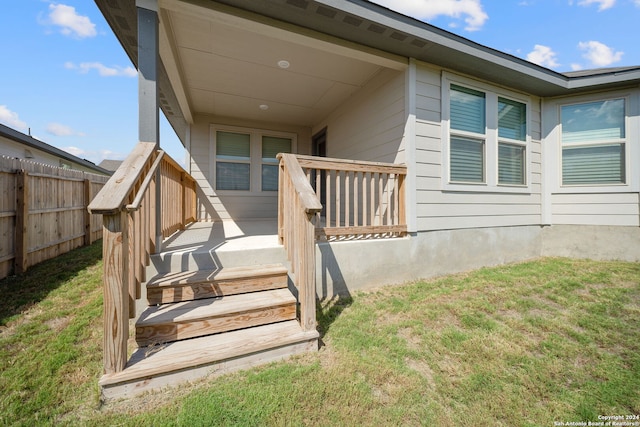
<point>193,285</point>
<point>211,316</point>
<point>147,363</point>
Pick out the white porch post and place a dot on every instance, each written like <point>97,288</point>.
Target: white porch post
<point>148,106</point>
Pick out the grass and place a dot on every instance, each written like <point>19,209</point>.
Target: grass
<point>529,344</point>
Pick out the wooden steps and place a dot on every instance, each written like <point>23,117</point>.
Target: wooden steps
<point>152,368</point>
<point>172,322</point>
<point>190,285</point>
<point>210,322</point>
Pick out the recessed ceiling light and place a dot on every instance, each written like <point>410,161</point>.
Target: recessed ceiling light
<point>283,64</point>
<point>264,107</point>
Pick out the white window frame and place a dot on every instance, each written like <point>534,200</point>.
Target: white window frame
<point>553,158</point>
<point>255,160</point>
<point>621,141</point>
<point>491,139</point>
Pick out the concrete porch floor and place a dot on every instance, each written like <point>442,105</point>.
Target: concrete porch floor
<point>213,245</point>
<point>225,235</point>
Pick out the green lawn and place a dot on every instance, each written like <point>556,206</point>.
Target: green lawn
<point>530,344</point>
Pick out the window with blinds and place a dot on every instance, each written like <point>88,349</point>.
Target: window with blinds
<point>512,135</point>
<point>488,138</point>
<point>271,146</point>
<point>593,143</point>
<point>246,161</point>
<point>233,161</point>
<point>467,117</point>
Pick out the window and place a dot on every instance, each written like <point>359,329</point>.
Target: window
<point>512,138</point>
<point>233,161</point>
<point>593,143</point>
<point>245,160</point>
<point>271,146</point>
<point>488,135</point>
<point>467,118</point>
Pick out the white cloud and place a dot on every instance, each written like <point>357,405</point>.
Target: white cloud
<point>472,10</point>
<point>102,69</point>
<point>58,129</point>
<point>599,54</point>
<point>70,22</point>
<point>576,67</point>
<point>603,4</point>
<point>543,55</point>
<point>11,119</point>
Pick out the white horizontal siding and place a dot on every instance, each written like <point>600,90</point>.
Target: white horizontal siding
<point>596,209</point>
<point>438,209</point>
<point>371,124</point>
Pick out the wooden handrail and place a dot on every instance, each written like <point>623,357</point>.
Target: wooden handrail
<point>115,194</point>
<point>310,202</point>
<point>327,163</point>
<point>297,213</point>
<point>135,205</point>
<point>147,182</point>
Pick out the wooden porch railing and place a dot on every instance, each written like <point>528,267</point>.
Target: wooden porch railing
<point>298,207</point>
<point>133,226</point>
<point>361,199</point>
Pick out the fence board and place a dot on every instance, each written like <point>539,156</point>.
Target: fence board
<point>53,215</point>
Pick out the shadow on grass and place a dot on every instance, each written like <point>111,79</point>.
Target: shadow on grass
<point>20,292</point>
<point>329,309</point>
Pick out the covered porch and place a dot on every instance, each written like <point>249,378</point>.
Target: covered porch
<point>215,266</point>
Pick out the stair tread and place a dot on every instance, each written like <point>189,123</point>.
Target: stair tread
<point>227,273</point>
<point>149,362</point>
<point>187,311</point>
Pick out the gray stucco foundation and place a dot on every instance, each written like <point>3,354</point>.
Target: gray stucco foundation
<point>347,266</point>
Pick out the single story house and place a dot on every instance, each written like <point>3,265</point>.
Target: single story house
<point>488,158</point>
<point>18,145</point>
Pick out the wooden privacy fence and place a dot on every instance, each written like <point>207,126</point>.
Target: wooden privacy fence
<point>43,212</point>
<point>148,198</point>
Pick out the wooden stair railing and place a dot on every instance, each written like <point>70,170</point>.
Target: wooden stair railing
<point>298,207</point>
<point>134,222</point>
<point>362,200</point>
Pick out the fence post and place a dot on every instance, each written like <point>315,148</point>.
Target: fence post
<point>115,254</point>
<point>22,221</point>
<point>87,215</point>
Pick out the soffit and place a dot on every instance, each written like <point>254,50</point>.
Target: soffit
<point>228,66</point>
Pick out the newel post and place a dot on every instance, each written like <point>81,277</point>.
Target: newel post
<point>307,274</point>
<point>115,253</point>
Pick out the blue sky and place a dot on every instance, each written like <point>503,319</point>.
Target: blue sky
<point>65,78</point>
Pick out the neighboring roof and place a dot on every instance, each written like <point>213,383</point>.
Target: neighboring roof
<point>110,165</point>
<point>29,141</point>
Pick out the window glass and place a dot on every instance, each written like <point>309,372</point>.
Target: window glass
<point>594,121</point>
<point>232,176</point>
<point>467,109</point>
<point>467,160</point>
<point>272,145</point>
<point>233,146</point>
<point>595,164</point>
<point>511,164</point>
<point>593,146</point>
<point>512,119</point>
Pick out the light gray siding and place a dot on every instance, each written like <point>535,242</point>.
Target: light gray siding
<point>440,209</point>
<point>615,205</point>
<point>370,125</point>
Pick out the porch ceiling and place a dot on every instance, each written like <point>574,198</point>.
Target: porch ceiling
<point>225,64</point>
